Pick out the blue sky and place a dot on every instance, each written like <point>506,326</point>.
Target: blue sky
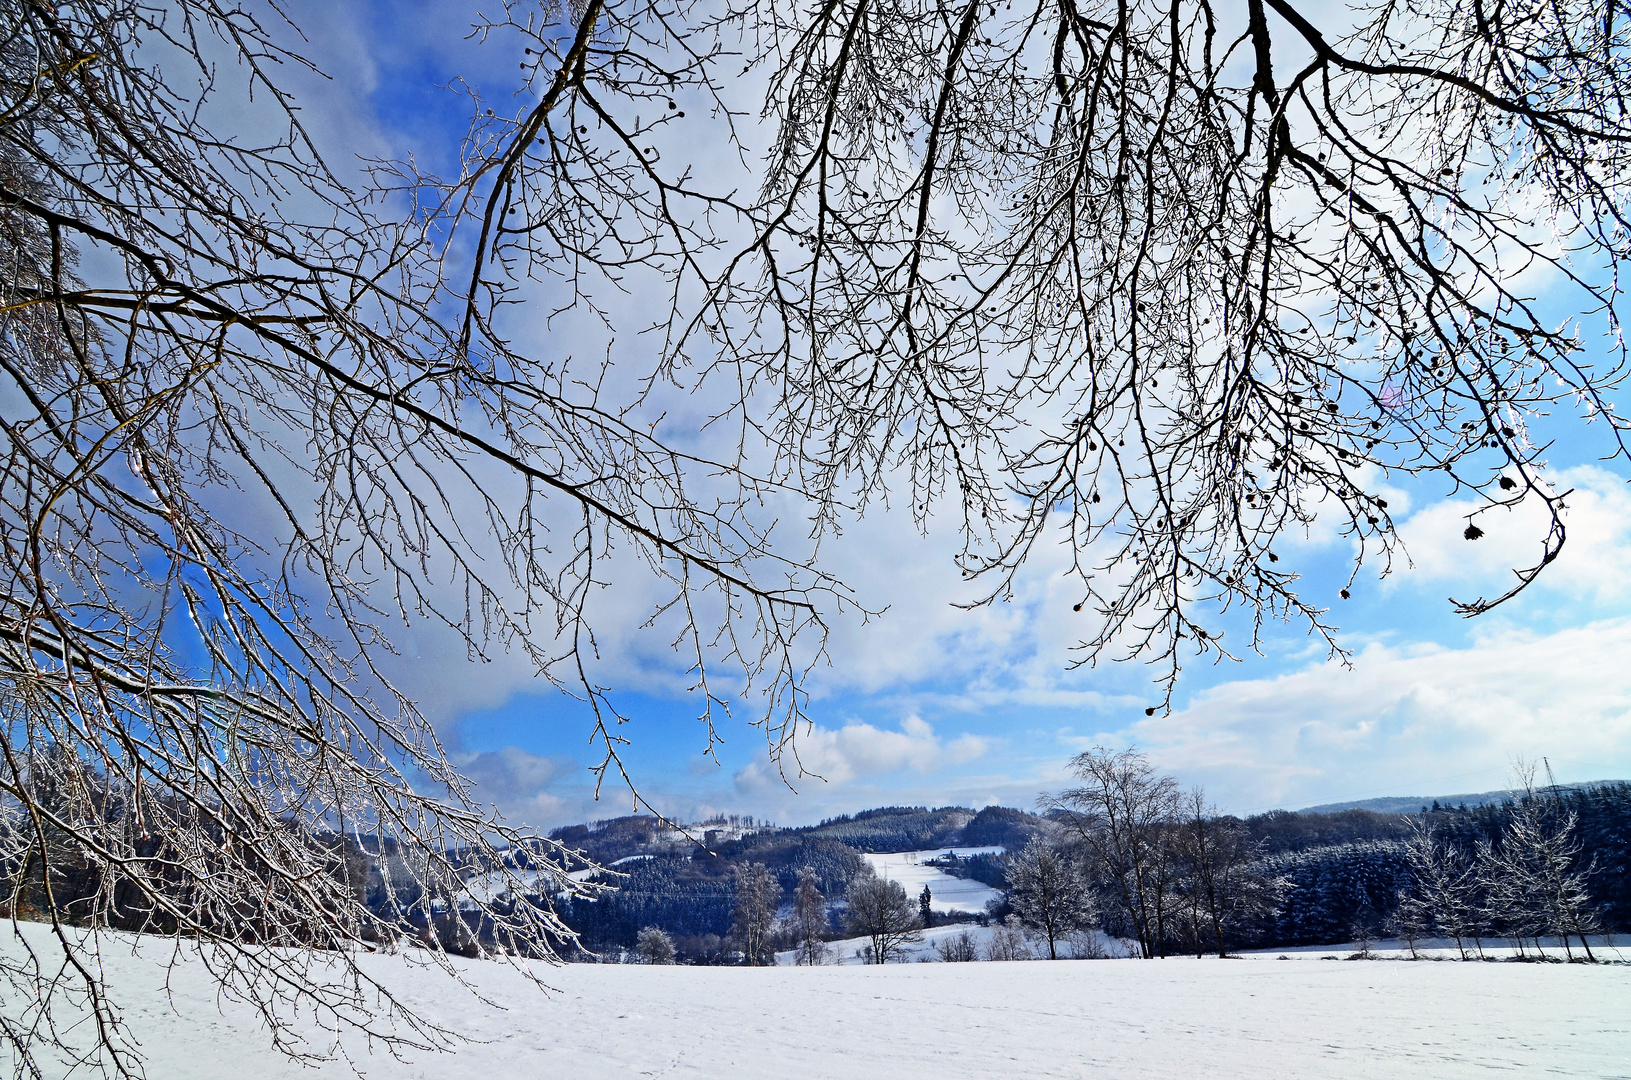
<point>930,704</point>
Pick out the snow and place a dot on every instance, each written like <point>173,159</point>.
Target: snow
<point>949,893</point>
<point>486,888</point>
<point>848,950</point>
<point>1604,947</point>
<point>490,887</point>
<point>1176,1019</point>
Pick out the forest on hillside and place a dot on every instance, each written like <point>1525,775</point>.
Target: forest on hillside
<point>1315,878</point>
<point>737,889</point>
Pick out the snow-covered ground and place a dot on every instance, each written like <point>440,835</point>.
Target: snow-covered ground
<point>1605,947</point>
<point>1178,1019</point>
<point>849,950</point>
<point>490,887</point>
<point>949,893</point>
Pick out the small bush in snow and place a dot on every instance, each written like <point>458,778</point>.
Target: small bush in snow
<point>957,949</point>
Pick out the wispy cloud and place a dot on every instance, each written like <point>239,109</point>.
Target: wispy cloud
<point>1408,717</point>
<point>1299,731</point>
<point>839,755</point>
<point>1596,560</point>
<point>518,783</point>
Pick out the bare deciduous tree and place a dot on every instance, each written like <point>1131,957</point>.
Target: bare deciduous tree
<point>654,945</point>
<point>809,920</point>
<point>1219,886</point>
<point>958,948</point>
<point>1185,275</point>
<point>757,895</point>
<point>249,420</point>
<point>1122,815</point>
<point>879,910</point>
<point>1181,276</point>
<point>1443,897</point>
<point>1531,885</point>
<point>1007,941</point>
<point>1050,894</point>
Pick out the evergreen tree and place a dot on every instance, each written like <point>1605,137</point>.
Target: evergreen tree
<point>1330,889</point>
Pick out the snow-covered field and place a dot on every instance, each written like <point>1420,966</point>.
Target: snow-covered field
<point>1181,1019</point>
<point>949,893</point>
<point>848,950</point>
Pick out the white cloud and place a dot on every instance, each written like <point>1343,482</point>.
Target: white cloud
<point>517,783</point>
<point>1596,560</point>
<point>1316,734</point>
<point>1408,720</point>
<point>840,755</point>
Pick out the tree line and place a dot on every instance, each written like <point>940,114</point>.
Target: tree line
<point>1524,884</point>
<point>1125,852</point>
<point>1149,862</point>
<point>1163,869</point>
<point>872,908</point>
<point>1128,853</point>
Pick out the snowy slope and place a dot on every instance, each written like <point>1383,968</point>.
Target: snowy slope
<point>1150,1020</point>
<point>490,887</point>
<point>949,893</point>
